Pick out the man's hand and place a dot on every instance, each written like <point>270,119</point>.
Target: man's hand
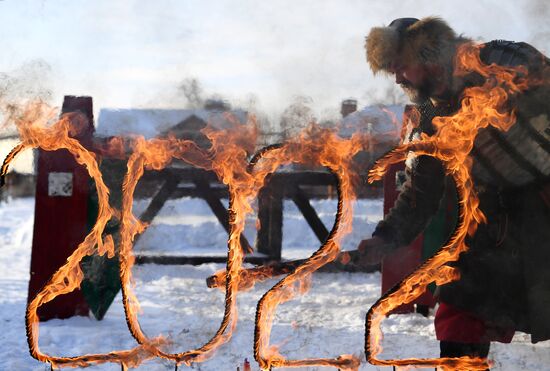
<point>373,250</point>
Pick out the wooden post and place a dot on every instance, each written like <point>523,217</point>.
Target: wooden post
<point>270,214</point>
<point>60,216</point>
<point>159,199</point>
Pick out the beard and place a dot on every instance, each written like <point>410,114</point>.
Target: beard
<point>417,94</point>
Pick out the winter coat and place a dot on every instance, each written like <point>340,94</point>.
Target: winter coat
<point>505,274</point>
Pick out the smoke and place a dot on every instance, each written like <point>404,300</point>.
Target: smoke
<point>29,83</point>
<point>190,93</point>
<point>538,13</point>
<point>193,93</point>
<point>272,126</point>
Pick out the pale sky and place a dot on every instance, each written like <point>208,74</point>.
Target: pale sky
<point>135,53</point>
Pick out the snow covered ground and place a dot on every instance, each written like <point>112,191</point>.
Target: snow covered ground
<point>326,322</point>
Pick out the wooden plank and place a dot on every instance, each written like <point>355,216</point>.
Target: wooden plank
<point>193,192</point>
<point>279,268</point>
<point>299,186</point>
<point>316,224</point>
<point>170,184</point>
<point>316,179</point>
<point>9,136</point>
<point>193,260</point>
<point>206,192</point>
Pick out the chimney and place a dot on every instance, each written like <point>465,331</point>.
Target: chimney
<point>217,105</point>
<point>348,106</point>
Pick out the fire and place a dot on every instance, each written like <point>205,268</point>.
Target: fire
<point>227,157</point>
<point>38,128</point>
<point>311,147</point>
<point>452,143</point>
<point>154,154</point>
<point>9,158</point>
<point>454,138</point>
<point>249,277</point>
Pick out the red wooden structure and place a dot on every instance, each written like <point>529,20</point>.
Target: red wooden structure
<point>60,216</point>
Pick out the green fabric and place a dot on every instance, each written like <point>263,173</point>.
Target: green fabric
<point>101,283</point>
<point>101,278</point>
<point>441,225</point>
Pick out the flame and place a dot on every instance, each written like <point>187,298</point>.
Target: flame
<point>229,153</point>
<point>154,154</point>
<point>481,107</point>
<point>113,147</point>
<point>313,146</point>
<point>38,128</point>
<point>9,158</point>
<point>249,277</point>
<point>227,158</point>
<point>454,139</point>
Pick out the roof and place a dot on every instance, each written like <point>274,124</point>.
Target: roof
<point>154,122</point>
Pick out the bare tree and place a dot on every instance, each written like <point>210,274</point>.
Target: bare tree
<point>296,116</point>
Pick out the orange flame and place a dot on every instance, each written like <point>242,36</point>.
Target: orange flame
<point>482,106</point>
<point>313,146</point>
<point>227,158</point>
<point>38,128</point>
<point>154,154</point>
<point>249,277</point>
<point>454,138</point>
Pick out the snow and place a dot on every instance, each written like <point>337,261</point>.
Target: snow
<point>326,322</point>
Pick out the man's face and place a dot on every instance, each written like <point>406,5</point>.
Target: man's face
<point>415,80</point>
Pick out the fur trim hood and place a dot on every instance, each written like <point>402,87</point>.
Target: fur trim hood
<point>429,40</point>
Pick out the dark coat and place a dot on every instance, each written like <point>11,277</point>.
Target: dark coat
<point>505,274</point>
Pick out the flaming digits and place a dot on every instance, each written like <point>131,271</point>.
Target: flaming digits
<point>227,157</point>
<point>312,147</point>
<point>451,144</point>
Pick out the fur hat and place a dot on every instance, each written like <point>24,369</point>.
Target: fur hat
<point>428,40</point>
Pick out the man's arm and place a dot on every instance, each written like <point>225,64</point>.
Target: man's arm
<point>415,206</point>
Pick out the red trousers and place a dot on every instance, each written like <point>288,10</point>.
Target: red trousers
<point>456,325</point>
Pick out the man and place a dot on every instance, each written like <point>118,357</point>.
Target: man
<point>505,277</point>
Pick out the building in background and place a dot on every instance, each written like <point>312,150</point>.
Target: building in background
<point>21,180</point>
<point>381,122</point>
<point>183,123</point>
